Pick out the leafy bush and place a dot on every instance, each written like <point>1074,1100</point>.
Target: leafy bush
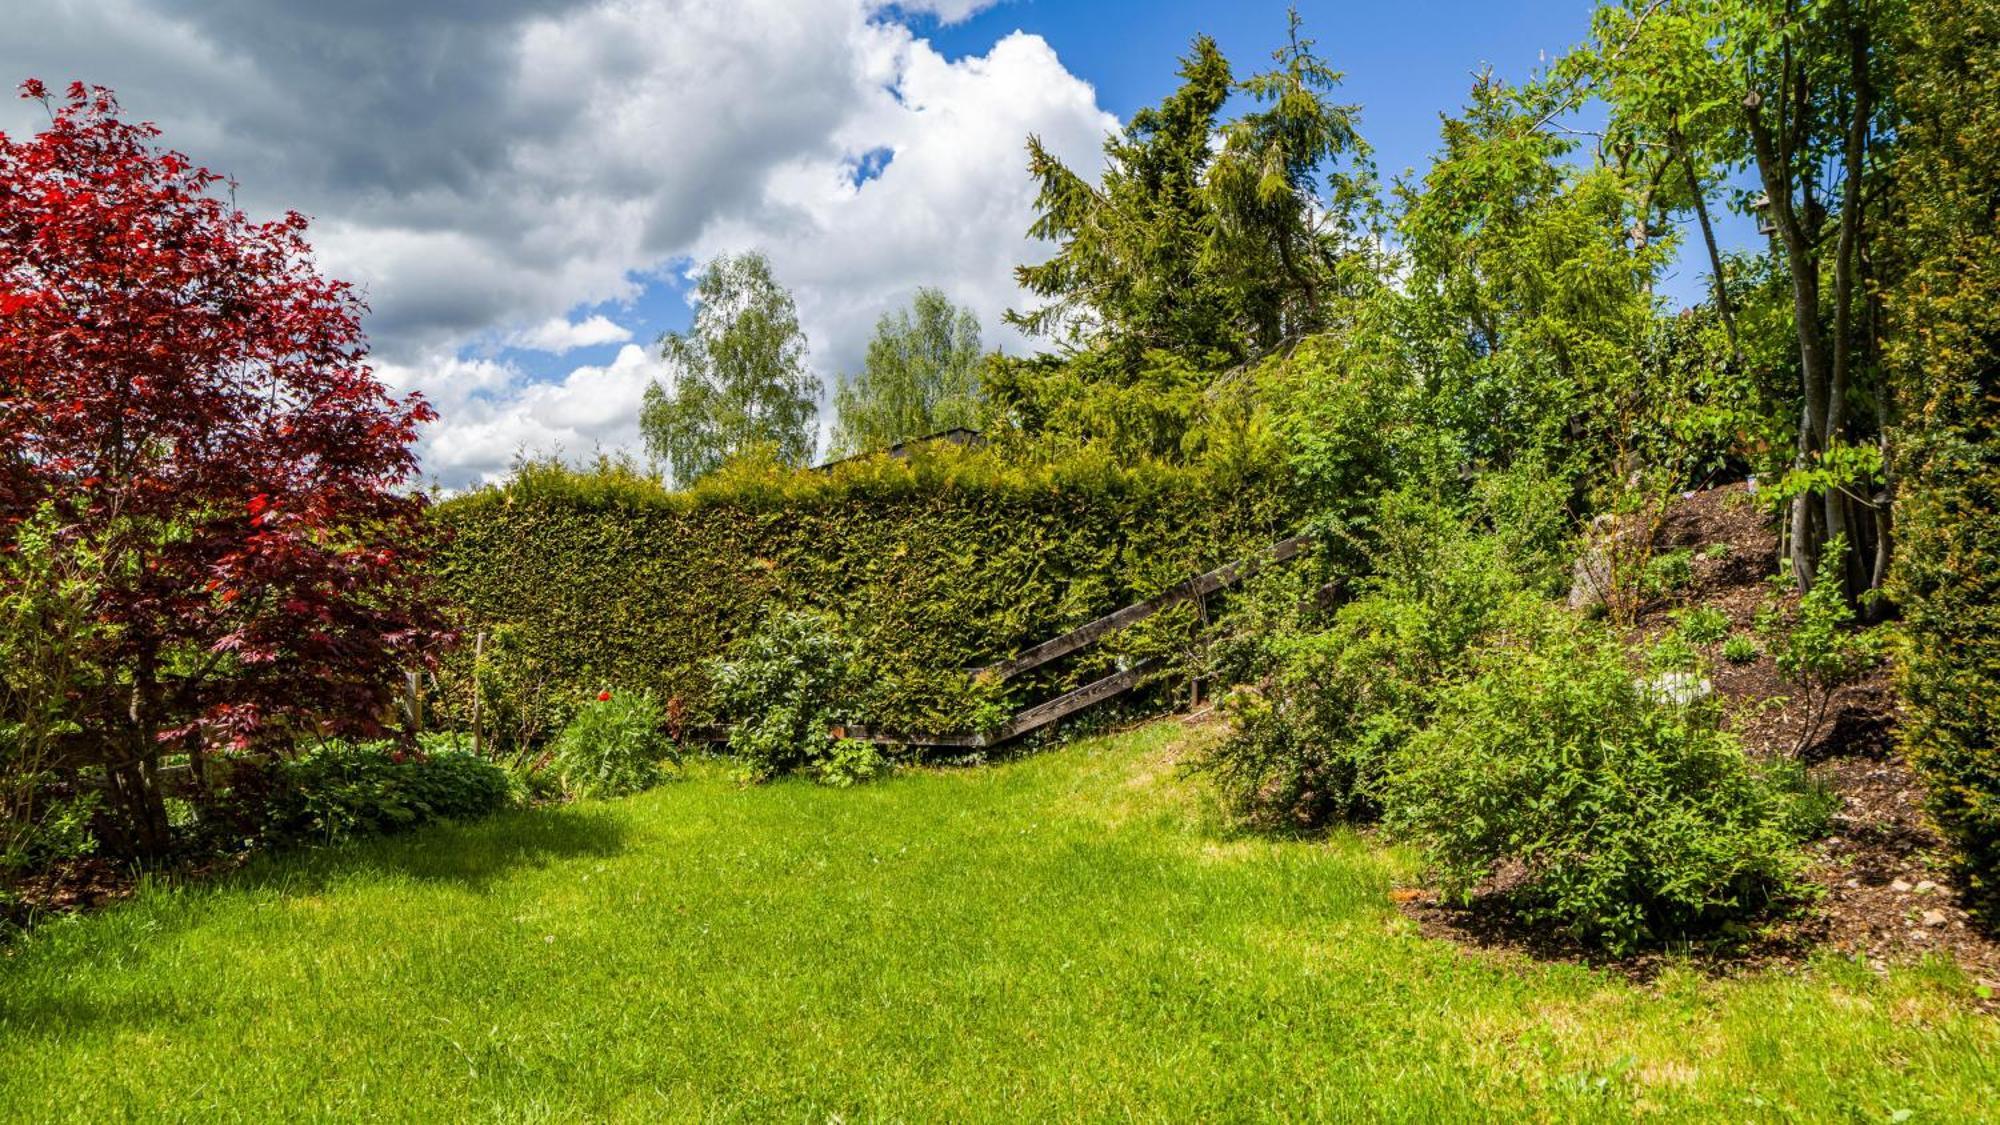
<point>783,690</point>
<point>1816,646</point>
<point>342,790</point>
<point>1702,626</point>
<point>47,629</point>
<point>614,746</point>
<point>1673,653</point>
<point>849,762</point>
<point>1741,649</point>
<point>1624,819</point>
<point>1668,573</point>
<point>1330,702</point>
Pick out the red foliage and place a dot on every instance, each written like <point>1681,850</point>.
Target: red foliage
<point>193,396</point>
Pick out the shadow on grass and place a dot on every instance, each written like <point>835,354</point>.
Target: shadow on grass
<point>49,986</point>
<point>473,854</point>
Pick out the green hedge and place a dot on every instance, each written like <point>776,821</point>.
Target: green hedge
<point>1945,355</point>
<point>947,560</point>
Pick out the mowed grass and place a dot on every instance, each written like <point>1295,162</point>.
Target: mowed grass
<point>1072,936</point>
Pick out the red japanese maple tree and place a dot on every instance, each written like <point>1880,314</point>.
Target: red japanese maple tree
<point>191,398</point>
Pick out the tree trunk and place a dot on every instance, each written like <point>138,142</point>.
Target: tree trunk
<point>1815,366</point>
<point>1722,303</point>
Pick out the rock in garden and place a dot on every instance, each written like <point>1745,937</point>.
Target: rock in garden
<point>1677,688</point>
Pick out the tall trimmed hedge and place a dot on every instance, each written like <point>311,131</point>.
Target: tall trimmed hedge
<point>1945,355</point>
<point>945,561</point>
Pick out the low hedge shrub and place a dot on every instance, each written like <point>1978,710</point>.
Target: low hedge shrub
<point>1614,813</point>
<point>342,790</point>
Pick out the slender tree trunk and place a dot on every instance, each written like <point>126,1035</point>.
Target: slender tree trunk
<point>138,775</point>
<point>1842,516</point>
<point>1815,366</point>
<point>1722,302</point>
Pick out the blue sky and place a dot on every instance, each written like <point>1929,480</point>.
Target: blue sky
<point>520,186</point>
<point>1404,64</point>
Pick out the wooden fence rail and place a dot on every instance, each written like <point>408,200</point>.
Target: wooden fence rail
<point>1097,691</point>
<point>1088,634</point>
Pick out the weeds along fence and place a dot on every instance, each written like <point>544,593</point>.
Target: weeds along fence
<point>934,565</point>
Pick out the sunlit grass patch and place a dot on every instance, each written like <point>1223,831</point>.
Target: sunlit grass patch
<point>1074,935</point>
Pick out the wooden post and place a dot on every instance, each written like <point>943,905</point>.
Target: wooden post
<point>413,701</point>
<point>478,654</point>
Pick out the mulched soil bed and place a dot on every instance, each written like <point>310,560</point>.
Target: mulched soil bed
<point>1887,896</point>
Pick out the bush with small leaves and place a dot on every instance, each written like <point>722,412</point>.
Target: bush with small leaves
<point>1673,653</point>
<point>849,762</point>
<point>1668,573</point>
<point>614,746</point>
<point>1631,819</point>
<point>1702,626</point>
<point>1740,649</point>
<point>1816,645</point>
<point>1329,702</point>
<point>342,790</point>
<point>783,689</point>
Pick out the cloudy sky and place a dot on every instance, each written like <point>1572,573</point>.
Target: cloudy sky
<point>522,186</point>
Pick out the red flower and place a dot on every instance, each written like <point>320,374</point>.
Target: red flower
<point>604,697</point>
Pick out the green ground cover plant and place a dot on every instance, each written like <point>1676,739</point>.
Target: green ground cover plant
<point>1075,935</point>
<point>342,791</point>
<point>614,746</point>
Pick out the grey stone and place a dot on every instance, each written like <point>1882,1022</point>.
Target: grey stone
<point>1677,688</point>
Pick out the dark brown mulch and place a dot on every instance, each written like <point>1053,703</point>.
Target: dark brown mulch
<point>78,884</point>
<point>94,882</point>
<point>1887,895</point>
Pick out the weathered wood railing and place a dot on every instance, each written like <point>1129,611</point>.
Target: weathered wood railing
<point>1083,636</point>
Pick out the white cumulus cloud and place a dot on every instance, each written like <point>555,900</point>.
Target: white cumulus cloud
<point>558,335</point>
<point>481,168</point>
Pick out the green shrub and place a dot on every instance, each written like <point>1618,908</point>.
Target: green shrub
<point>49,624</point>
<point>1672,653</point>
<point>1702,626</point>
<point>1741,649</point>
<point>1944,360</point>
<point>340,790</point>
<point>783,689</point>
<point>849,762</point>
<point>614,746</point>
<point>60,829</point>
<point>1668,573</point>
<point>1625,819</point>
<point>1816,646</point>
<point>1328,703</point>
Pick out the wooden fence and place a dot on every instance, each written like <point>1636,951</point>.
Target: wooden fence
<point>1111,686</point>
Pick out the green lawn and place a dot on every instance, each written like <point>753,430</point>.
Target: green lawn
<point>1067,937</point>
